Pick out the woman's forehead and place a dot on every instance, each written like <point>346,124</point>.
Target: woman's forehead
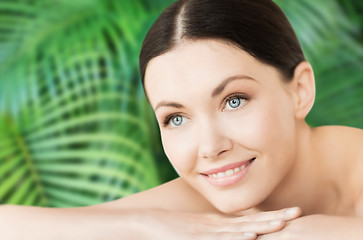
<point>195,60</point>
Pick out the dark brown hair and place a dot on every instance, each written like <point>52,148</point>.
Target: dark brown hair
<point>258,27</point>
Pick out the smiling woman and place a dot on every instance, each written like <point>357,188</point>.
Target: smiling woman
<point>230,88</point>
<point>232,108</point>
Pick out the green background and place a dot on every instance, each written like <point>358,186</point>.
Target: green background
<point>75,127</point>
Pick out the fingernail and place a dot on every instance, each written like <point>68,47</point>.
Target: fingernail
<point>249,234</point>
<point>292,211</point>
<point>275,222</point>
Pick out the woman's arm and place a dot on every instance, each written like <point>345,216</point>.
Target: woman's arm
<point>319,227</point>
<point>17,222</point>
<point>170,211</point>
<point>20,222</point>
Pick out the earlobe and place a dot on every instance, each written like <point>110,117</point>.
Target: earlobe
<point>304,89</point>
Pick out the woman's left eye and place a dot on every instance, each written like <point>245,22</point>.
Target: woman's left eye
<point>234,102</point>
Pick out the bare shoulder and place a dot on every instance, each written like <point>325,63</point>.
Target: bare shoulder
<point>342,148</point>
<point>346,140</point>
<point>175,195</point>
<point>342,131</point>
<point>341,145</point>
<point>345,144</point>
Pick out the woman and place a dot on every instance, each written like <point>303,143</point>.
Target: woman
<point>231,88</point>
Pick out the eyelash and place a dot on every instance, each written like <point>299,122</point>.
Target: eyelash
<point>169,117</point>
<point>230,97</point>
<point>233,96</point>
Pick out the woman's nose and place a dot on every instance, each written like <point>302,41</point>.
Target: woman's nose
<point>213,142</point>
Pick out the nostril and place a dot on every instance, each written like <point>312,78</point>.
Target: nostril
<point>221,152</point>
<point>213,144</point>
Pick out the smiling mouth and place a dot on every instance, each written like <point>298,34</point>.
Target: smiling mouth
<point>228,170</point>
<point>228,175</point>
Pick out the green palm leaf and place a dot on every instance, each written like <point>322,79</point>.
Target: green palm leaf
<point>75,127</point>
<point>332,38</point>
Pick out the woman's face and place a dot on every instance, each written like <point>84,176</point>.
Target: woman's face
<point>227,121</point>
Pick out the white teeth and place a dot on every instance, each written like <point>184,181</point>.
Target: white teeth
<point>227,173</point>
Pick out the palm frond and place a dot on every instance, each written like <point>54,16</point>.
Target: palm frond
<point>332,38</point>
<point>75,127</point>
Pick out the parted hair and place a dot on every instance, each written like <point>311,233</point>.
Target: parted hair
<point>258,27</point>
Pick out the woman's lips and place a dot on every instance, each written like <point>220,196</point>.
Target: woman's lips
<point>229,174</point>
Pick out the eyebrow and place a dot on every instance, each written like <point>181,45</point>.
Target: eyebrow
<point>218,90</point>
<point>168,104</point>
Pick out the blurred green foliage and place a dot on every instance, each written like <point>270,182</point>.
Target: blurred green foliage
<point>75,127</point>
<point>331,34</point>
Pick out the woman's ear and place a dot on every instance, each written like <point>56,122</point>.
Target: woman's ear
<point>303,86</point>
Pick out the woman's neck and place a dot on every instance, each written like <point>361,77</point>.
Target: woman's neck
<point>308,184</point>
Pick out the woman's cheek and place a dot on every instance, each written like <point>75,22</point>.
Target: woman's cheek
<point>179,148</point>
<point>263,128</point>
<point>274,134</point>
<point>248,127</point>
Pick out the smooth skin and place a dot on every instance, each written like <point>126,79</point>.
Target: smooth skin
<point>218,105</point>
<point>318,169</point>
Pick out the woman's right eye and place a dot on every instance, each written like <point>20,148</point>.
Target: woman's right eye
<point>175,120</point>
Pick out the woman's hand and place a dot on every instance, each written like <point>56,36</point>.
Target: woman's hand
<point>171,225</point>
<point>318,227</point>
<point>112,224</point>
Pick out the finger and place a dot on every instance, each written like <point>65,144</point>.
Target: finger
<point>284,214</point>
<point>227,236</point>
<point>272,236</point>
<point>255,227</point>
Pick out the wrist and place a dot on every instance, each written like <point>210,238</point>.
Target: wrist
<point>132,224</point>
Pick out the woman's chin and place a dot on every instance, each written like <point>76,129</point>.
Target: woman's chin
<point>234,206</point>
